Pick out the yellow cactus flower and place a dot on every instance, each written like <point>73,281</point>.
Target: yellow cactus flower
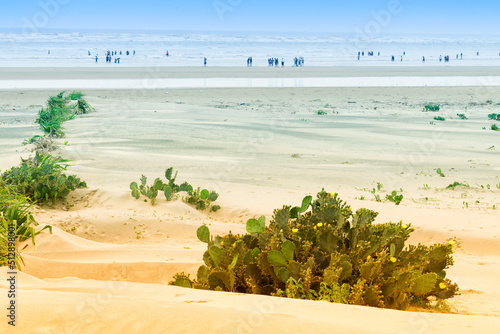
<point>320,224</point>
<point>295,230</point>
<point>222,243</point>
<point>451,242</point>
<point>404,226</point>
<point>393,259</point>
<point>442,286</point>
<point>368,258</point>
<point>315,227</point>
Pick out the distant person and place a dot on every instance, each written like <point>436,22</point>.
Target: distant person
<point>167,54</point>
<point>49,51</point>
<point>127,53</point>
<point>423,59</point>
<point>134,52</point>
<point>461,56</point>
<point>401,58</point>
<point>205,61</point>
<point>392,58</point>
<point>404,53</point>
<point>457,55</point>
<point>89,53</point>
<point>282,62</point>
<point>96,58</point>
<point>440,58</point>
<point>379,53</point>
<point>478,53</point>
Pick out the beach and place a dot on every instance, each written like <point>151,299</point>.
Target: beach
<point>108,262</point>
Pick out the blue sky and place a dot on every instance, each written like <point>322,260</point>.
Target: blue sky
<point>366,16</point>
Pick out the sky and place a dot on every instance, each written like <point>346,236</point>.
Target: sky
<point>355,16</point>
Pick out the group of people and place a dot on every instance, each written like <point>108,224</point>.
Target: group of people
<point>111,54</point>
<point>249,61</point>
<point>298,61</point>
<point>276,62</point>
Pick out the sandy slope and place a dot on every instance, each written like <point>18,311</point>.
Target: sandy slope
<point>105,267</point>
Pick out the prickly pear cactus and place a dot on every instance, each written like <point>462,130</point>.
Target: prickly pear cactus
<point>322,250</point>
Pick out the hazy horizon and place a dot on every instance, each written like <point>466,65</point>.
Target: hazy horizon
<point>365,17</point>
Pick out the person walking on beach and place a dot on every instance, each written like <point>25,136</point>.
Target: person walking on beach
<point>423,59</point>
<point>282,62</point>
<point>96,59</point>
<point>205,61</point>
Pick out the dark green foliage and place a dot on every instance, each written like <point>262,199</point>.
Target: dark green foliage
<point>74,95</point>
<point>439,118</point>
<point>58,111</point>
<point>394,197</point>
<point>439,172</point>
<point>321,112</point>
<point>462,116</point>
<point>200,198</point>
<point>42,179</point>
<point>15,212</point>
<point>323,251</point>
<point>431,107</point>
<point>494,117</point>
<point>457,184</point>
<point>494,127</point>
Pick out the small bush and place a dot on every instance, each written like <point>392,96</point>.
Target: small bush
<point>494,127</point>
<point>58,111</point>
<point>439,118</point>
<point>394,197</point>
<point>327,253</point>
<point>15,215</point>
<point>494,117</point>
<point>321,112</point>
<point>42,179</point>
<point>200,198</point>
<point>457,184</point>
<point>431,107</point>
<point>462,116</point>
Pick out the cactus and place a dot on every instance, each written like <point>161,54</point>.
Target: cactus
<point>321,250</point>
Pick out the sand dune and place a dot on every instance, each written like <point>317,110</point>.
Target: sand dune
<point>107,263</point>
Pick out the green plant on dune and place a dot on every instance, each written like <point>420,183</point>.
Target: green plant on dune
<point>462,116</point>
<point>59,110</point>
<point>439,118</point>
<point>201,198</point>
<point>322,250</point>
<point>494,117</point>
<point>457,184</point>
<point>439,172</point>
<point>394,197</point>
<point>16,225</point>
<point>321,112</point>
<point>42,178</point>
<point>431,107</point>
<point>494,127</point>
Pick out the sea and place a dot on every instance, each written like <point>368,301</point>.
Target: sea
<point>66,48</point>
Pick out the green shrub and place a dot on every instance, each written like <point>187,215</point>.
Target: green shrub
<point>42,179</point>
<point>439,118</point>
<point>201,198</point>
<point>457,184</point>
<point>462,116</point>
<point>15,213</point>
<point>327,253</point>
<point>58,111</point>
<point>321,112</point>
<point>494,127</point>
<point>74,95</point>
<point>431,107</point>
<point>494,117</point>
<point>394,197</point>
